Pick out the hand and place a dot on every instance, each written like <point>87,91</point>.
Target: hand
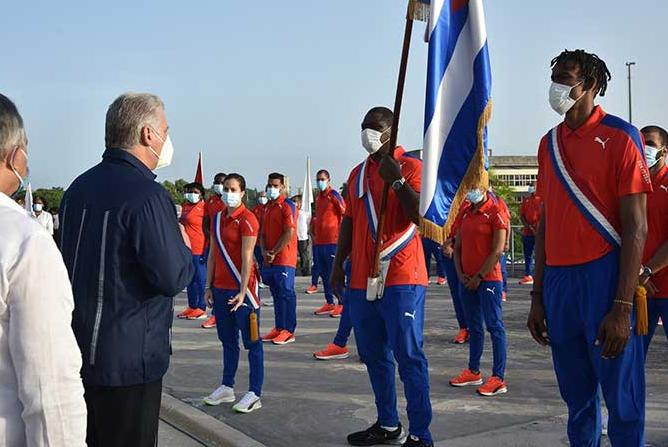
<point>269,256</point>
<point>184,235</point>
<point>614,331</point>
<point>448,250</point>
<point>208,297</point>
<point>652,290</point>
<point>464,279</point>
<point>473,283</point>
<point>337,279</point>
<point>389,169</point>
<point>237,301</point>
<point>537,325</point>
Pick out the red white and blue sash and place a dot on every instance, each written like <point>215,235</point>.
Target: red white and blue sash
<point>251,295</point>
<point>364,193</point>
<point>578,195</point>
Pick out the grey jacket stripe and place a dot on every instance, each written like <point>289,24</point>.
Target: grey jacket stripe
<point>76,250</point>
<point>100,290</point>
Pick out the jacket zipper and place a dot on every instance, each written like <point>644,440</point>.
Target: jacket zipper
<point>100,291</point>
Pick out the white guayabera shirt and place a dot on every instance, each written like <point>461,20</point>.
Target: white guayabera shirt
<point>41,394</point>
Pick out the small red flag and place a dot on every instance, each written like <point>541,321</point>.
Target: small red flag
<point>199,176</point>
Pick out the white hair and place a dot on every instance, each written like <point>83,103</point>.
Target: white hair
<point>128,115</point>
<point>12,133</point>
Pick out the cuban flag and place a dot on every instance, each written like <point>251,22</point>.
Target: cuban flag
<point>457,109</point>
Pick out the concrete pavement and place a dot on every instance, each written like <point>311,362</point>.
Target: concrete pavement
<point>313,403</point>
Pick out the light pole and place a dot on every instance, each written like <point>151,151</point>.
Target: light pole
<point>628,66</point>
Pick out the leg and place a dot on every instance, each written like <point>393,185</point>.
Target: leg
<point>403,311</point>
<point>228,334</point>
<point>286,290</point>
<point>453,284</point>
<point>122,416</point>
<point>426,248</point>
<point>272,279</point>
<point>440,262</point>
<point>254,348</point>
<point>504,271</point>
<point>653,314</point>
<point>490,299</point>
<point>257,252</point>
<point>199,280</point>
<point>325,262</point>
<point>315,270</point>
<point>345,325</point>
<point>471,302</point>
<point>193,289</point>
<point>528,243</point>
<point>371,338</point>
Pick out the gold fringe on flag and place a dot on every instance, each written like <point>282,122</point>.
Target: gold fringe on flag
<point>642,319</point>
<point>476,177</point>
<point>418,10</point>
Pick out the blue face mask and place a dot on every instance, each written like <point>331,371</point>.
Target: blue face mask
<point>651,154</point>
<point>192,197</point>
<point>322,185</point>
<point>475,196</point>
<point>273,193</point>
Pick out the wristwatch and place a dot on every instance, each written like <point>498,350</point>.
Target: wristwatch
<point>398,184</point>
<point>645,271</point>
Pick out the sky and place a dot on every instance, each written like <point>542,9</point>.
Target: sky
<point>258,86</point>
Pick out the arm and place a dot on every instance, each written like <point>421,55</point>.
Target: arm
<point>247,263</point>
<point>343,249</point>
<point>458,261</point>
<point>390,171</point>
<point>45,356</point>
<point>615,328</point>
<point>658,262</point>
<point>283,241</point>
<point>536,320</point>
<point>498,244</point>
<point>49,224</point>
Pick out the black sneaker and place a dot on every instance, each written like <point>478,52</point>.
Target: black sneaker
<point>413,441</point>
<point>375,435</point>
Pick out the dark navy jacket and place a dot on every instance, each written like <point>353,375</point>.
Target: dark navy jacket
<point>126,260</point>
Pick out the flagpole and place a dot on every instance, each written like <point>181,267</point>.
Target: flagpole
<point>408,31</point>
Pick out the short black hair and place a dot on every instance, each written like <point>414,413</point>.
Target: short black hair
<point>239,178</point>
<point>381,114</point>
<point>41,199</point>
<point>592,68</point>
<point>323,171</point>
<point>660,130</point>
<point>296,198</point>
<point>277,176</point>
<point>197,186</point>
<point>220,175</point>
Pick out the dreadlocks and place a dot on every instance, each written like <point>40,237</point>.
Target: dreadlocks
<point>593,69</point>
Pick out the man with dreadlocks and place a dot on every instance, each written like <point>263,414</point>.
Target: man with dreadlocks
<point>593,179</point>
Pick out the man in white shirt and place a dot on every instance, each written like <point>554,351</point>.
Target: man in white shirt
<point>303,223</point>
<point>41,394</point>
<point>44,218</point>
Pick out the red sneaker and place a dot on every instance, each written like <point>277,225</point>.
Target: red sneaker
<point>338,310</point>
<point>492,387</point>
<point>284,338</point>
<point>527,280</point>
<point>326,309</point>
<point>197,314</point>
<point>210,323</point>
<point>271,335</point>
<point>467,377</point>
<point>332,352</point>
<point>461,337</point>
<point>312,289</point>
<point>187,311</point>
<point>441,281</point>
<point>503,297</point>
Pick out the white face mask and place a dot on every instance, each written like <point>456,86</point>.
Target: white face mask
<point>231,199</point>
<point>651,156</point>
<point>273,193</point>
<point>218,189</point>
<point>531,189</point>
<point>263,200</point>
<point>167,152</point>
<point>37,207</point>
<point>371,140</point>
<point>560,97</point>
<point>474,196</point>
<point>192,197</point>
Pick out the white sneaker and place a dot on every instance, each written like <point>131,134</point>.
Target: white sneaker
<point>248,403</point>
<point>268,302</point>
<point>262,285</point>
<point>222,394</point>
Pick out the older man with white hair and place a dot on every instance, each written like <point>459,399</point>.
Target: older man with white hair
<point>127,258</point>
<point>41,395</point>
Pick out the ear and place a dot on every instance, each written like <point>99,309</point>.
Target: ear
<point>145,136</point>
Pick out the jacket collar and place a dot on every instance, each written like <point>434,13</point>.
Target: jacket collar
<point>126,157</point>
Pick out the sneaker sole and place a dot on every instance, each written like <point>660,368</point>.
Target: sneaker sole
<point>475,382</point>
<point>459,342</point>
<point>329,312</point>
<point>398,441</point>
<point>203,317</point>
<point>211,326</point>
<point>281,343</point>
<point>501,390</point>
<point>332,357</point>
<point>182,317</point>
<point>215,403</point>
<point>310,293</point>
<point>256,406</point>
<point>335,316</point>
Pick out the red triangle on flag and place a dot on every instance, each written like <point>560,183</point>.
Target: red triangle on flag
<point>199,176</point>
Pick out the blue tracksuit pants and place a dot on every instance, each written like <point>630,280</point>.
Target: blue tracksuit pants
<point>281,282</point>
<point>390,329</point>
<point>657,308</point>
<point>504,270</point>
<point>576,300</point>
<point>228,325</point>
<point>528,243</point>
<point>481,305</point>
<point>315,270</point>
<point>345,324</point>
<point>431,248</point>
<point>324,255</point>
<point>453,284</point>
<point>197,284</point>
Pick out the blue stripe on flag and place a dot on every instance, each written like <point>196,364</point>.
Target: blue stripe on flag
<point>441,48</point>
<point>461,144</point>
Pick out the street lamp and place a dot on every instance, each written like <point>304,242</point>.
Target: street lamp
<point>628,66</point>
